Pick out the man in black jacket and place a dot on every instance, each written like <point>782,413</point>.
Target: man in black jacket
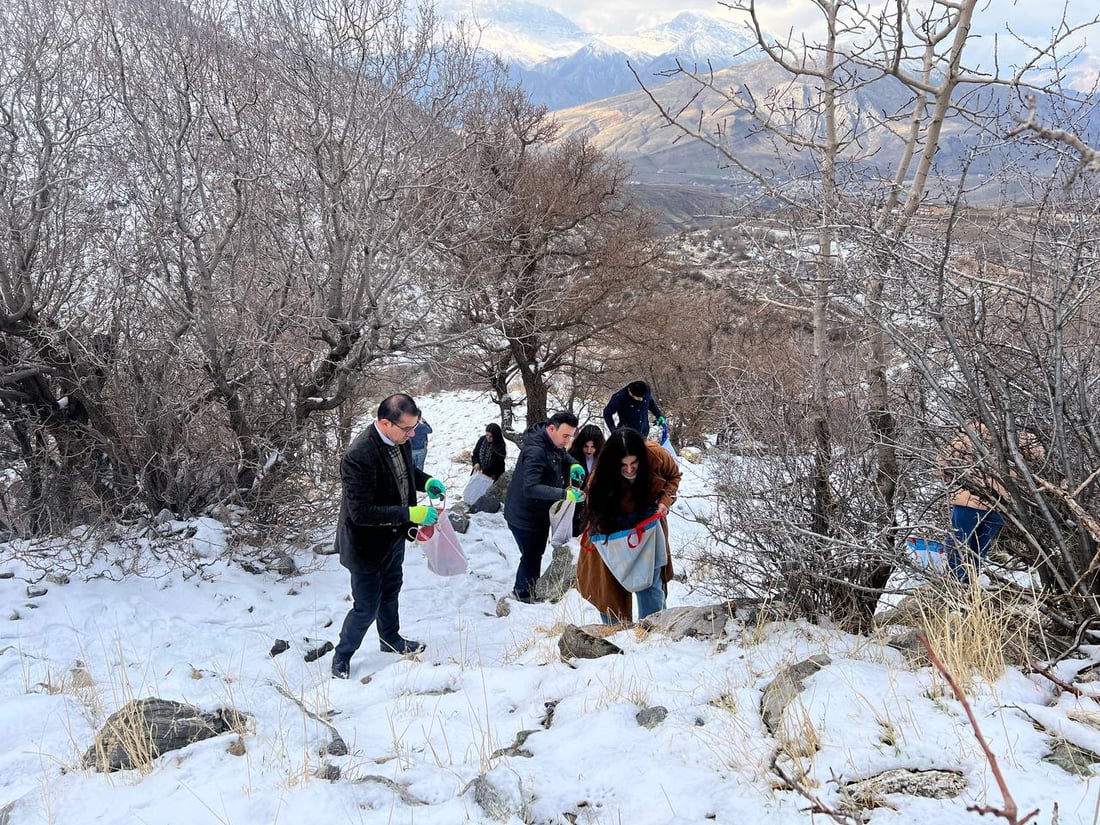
<point>376,511</point>
<point>632,405</point>
<point>542,476</point>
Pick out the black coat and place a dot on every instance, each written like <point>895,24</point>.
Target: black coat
<point>540,479</point>
<point>631,413</point>
<point>493,463</point>
<point>373,509</point>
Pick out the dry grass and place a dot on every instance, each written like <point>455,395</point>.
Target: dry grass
<point>976,632</point>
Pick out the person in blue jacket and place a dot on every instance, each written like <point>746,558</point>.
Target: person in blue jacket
<point>632,405</point>
<point>419,443</point>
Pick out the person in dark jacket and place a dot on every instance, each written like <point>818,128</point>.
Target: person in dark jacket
<point>489,453</point>
<point>419,443</point>
<point>632,406</point>
<point>542,476</point>
<point>377,509</point>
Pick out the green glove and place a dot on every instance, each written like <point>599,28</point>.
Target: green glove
<point>576,474</point>
<point>574,495</point>
<point>435,488</point>
<point>661,422</point>
<point>423,515</point>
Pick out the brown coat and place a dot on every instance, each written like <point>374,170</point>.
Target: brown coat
<point>961,467</point>
<point>594,581</point>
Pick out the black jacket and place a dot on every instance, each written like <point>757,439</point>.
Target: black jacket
<point>540,479</point>
<point>631,413</point>
<point>373,510</point>
<point>491,461</point>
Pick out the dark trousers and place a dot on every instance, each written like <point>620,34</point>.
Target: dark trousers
<point>532,544</point>
<point>374,597</point>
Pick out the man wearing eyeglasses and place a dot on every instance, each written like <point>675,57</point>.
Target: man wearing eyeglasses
<point>377,509</point>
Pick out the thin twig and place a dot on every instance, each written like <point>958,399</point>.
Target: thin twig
<point>1009,812</point>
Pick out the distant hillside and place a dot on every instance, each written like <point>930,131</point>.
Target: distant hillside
<point>665,161</point>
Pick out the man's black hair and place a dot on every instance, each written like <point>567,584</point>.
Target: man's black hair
<point>397,405</point>
<point>564,417</point>
<point>639,389</point>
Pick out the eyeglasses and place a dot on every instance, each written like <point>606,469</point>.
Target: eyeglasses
<point>405,430</point>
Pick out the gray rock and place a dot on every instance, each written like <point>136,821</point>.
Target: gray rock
<point>328,771</point>
<point>163,517</point>
<point>868,793</point>
<point>324,548</point>
<point>57,578</point>
<point>313,654</point>
<point>36,590</point>
<point>6,574</point>
<point>712,621</point>
<point>576,644</point>
<point>650,718</point>
<point>559,577</point>
<point>499,794</point>
<point>1071,758</point>
<point>785,687</point>
<point>459,521</point>
<point>488,503</point>
<point>280,646</point>
<point>144,729</point>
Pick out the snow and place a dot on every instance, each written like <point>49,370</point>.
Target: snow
<point>421,729</point>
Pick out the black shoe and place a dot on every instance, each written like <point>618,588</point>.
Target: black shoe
<point>401,645</point>
<point>523,598</point>
<point>341,668</point>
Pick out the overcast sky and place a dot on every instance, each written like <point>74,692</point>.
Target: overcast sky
<point>1033,18</point>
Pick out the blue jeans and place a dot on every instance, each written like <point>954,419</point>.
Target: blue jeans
<point>374,597</point>
<point>532,544</point>
<point>650,600</point>
<point>419,456</point>
<point>974,533</point>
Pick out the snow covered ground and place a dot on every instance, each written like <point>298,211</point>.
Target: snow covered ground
<point>420,730</point>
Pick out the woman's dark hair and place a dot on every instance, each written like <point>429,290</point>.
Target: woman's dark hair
<point>589,432</point>
<point>498,445</point>
<point>605,492</point>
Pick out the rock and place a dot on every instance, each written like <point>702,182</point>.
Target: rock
<point>280,646</point>
<point>36,590</point>
<point>337,746</point>
<point>576,644</point>
<point>1071,758</point>
<point>57,578</point>
<point>785,687</point>
<point>284,564</point>
<point>868,793</point>
<point>324,548</point>
<point>163,517</point>
<point>503,607</point>
<point>488,503</point>
<point>328,771</point>
<point>650,718</point>
<point>711,621</point>
<point>144,729</point>
<point>6,574</point>
<point>500,796</point>
<point>459,521</point>
<point>313,654</point>
<point>559,577</point>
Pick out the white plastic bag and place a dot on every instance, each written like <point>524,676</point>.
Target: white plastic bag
<point>476,487</point>
<point>631,555</point>
<point>561,521</point>
<point>442,548</point>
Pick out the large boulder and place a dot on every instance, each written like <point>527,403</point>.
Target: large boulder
<point>143,729</point>
<point>559,577</point>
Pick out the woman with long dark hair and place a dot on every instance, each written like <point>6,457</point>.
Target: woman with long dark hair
<point>489,452</point>
<point>633,480</point>
<point>586,446</point>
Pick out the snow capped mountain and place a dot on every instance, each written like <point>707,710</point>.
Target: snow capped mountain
<point>517,31</point>
<point>562,65</point>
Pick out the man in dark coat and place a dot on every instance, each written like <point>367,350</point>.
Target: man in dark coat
<point>632,404</point>
<point>377,509</point>
<point>542,476</point>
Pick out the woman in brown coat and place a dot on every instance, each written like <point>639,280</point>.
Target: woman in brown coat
<point>633,480</point>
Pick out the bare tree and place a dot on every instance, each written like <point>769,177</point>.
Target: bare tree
<point>856,176</point>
